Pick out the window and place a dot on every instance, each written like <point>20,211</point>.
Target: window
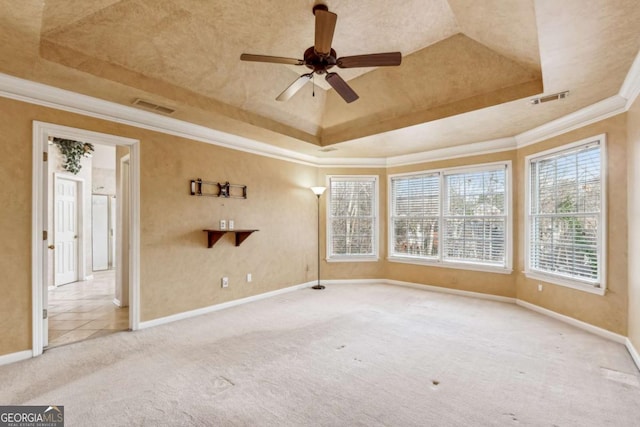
<point>416,215</point>
<point>565,222</point>
<point>475,217</point>
<point>457,217</point>
<point>351,231</point>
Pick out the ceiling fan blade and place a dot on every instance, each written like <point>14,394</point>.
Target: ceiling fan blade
<point>325,25</point>
<point>343,89</point>
<point>372,60</point>
<point>294,87</point>
<point>273,59</point>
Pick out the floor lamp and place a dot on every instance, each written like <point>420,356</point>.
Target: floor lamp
<point>318,192</point>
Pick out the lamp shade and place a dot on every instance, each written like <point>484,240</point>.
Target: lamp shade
<point>318,190</point>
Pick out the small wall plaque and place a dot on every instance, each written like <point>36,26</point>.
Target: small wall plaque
<point>218,189</point>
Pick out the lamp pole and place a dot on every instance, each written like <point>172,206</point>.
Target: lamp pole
<point>318,192</point>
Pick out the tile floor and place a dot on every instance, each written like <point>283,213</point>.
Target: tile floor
<point>85,309</point>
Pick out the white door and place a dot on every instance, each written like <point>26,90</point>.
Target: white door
<point>65,217</point>
<point>100,231</point>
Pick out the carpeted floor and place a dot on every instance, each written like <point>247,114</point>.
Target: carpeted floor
<point>351,355</point>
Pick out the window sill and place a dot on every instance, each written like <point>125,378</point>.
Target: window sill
<point>454,265</point>
<point>353,258</point>
<point>568,283</point>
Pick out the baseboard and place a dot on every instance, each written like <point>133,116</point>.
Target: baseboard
<point>443,290</point>
<point>15,357</point>
<point>117,302</point>
<point>222,306</point>
<point>575,322</point>
<point>633,352</point>
<point>354,282</point>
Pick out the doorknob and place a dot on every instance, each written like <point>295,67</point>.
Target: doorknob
<point>75,237</point>
<point>52,247</point>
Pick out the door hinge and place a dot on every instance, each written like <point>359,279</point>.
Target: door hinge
<point>45,313</point>
<point>45,156</point>
<point>45,235</point>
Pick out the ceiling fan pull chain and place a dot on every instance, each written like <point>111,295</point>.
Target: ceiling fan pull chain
<point>313,82</point>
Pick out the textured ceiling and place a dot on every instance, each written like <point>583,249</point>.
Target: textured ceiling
<point>469,67</point>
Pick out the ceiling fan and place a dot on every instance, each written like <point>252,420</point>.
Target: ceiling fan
<point>321,57</point>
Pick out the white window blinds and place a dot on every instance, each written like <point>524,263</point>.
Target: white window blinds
<point>352,217</point>
<point>452,216</point>
<point>475,217</point>
<point>415,215</point>
<point>565,217</point>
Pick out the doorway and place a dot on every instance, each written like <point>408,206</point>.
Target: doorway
<point>81,306</point>
<point>90,287</point>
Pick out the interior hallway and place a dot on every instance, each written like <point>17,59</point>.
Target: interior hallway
<point>85,309</point>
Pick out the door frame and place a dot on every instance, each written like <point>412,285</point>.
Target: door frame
<point>124,221</point>
<point>41,133</point>
<point>80,261</point>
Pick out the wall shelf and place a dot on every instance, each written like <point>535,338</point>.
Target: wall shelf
<point>214,235</point>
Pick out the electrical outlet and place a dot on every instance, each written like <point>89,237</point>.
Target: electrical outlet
<point>249,278</point>
<point>225,282</point>
<point>539,287</point>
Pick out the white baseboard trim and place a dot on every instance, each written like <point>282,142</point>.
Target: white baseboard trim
<point>575,322</point>
<point>117,302</point>
<point>222,306</point>
<point>15,357</point>
<point>354,282</point>
<point>443,290</point>
<point>633,352</point>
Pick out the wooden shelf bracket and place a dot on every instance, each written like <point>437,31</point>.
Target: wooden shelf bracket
<point>214,235</point>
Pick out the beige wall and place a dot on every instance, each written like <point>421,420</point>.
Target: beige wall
<point>15,227</point>
<point>178,272</point>
<point>608,311</point>
<point>633,127</point>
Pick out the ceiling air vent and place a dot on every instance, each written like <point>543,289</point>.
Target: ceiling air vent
<point>148,105</point>
<point>554,97</point>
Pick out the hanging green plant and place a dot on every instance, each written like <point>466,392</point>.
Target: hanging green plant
<point>73,152</point>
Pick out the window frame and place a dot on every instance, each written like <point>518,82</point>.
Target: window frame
<point>440,261</point>
<point>600,287</point>
<point>330,257</point>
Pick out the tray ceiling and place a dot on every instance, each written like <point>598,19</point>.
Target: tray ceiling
<point>468,67</point>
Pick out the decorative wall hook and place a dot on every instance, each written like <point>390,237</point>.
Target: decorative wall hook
<point>218,189</point>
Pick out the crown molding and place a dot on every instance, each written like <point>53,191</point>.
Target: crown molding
<point>61,99</point>
<point>351,162</point>
<point>593,113</point>
<point>465,150</point>
<point>631,87</point>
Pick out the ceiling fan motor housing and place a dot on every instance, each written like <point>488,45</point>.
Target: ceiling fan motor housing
<point>319,63</point>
